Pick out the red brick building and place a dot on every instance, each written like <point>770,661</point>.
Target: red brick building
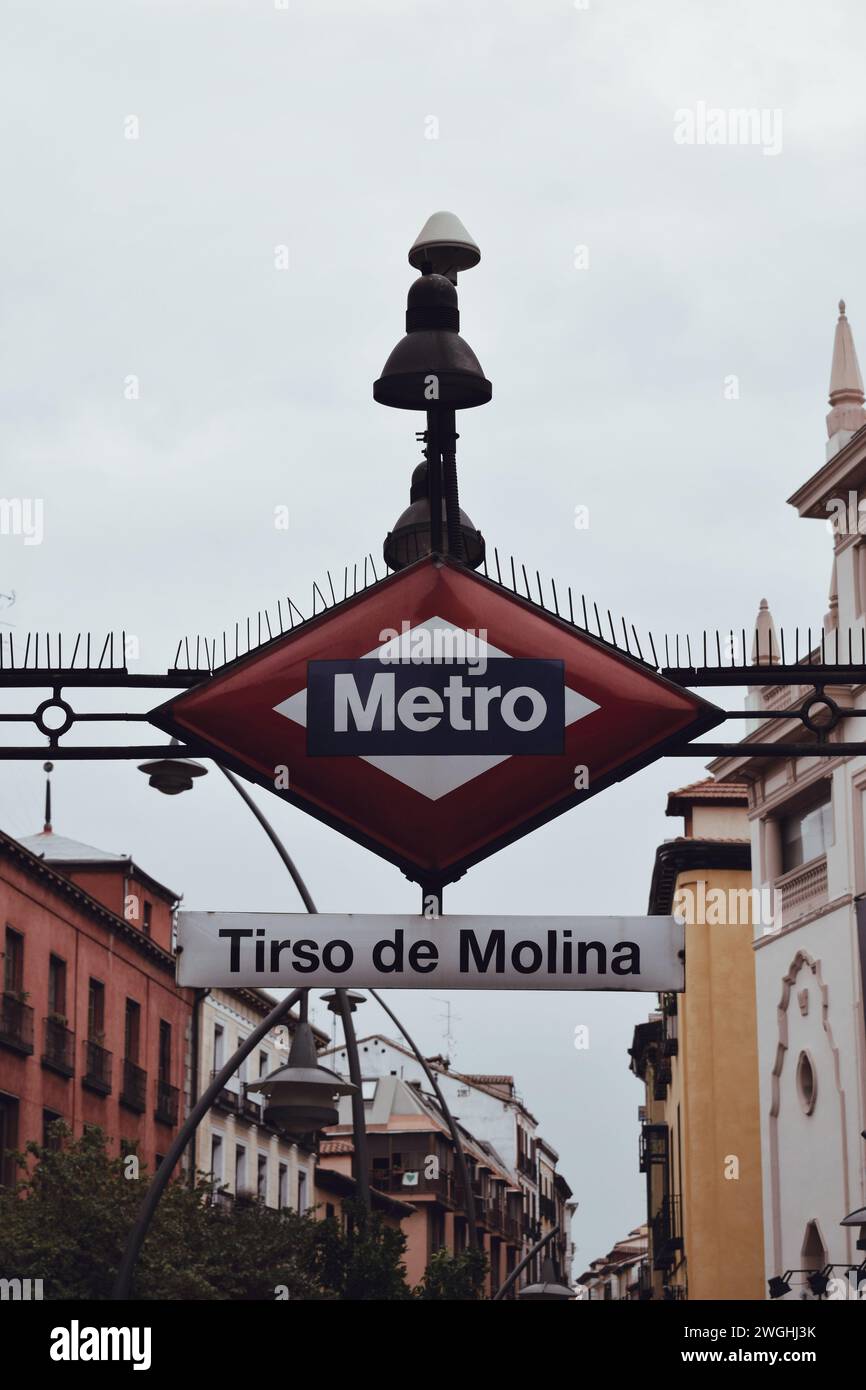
<point>93,1028</point>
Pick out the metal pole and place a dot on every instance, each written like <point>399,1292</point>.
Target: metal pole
<point>162,1176</point>
<point>434,480</point>
<point>518,1269</point>
<point>360,1163</point>
<point>459,1153</point>
<point>448,446</point>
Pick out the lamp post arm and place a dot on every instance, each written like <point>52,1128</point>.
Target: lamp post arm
<point>361,1164</point>
<point>459,1152</point>
<point>518,1269</point>
<point>162,1176</point>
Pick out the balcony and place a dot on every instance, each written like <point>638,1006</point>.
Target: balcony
<point>97,1068</point>
<point>16,1025</point>
<point>547,1209</point>
<point>394,1180</point>
<point>252,1106</point>
<point>666,1233</point>
<point>661,1078</point>
<point>802,891</point>
<point>58,1047</point>
<point>133,1090</point>
<point>166,1103</point>
<point>229,1098</point>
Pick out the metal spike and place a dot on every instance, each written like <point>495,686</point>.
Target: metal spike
<point>498,570</point>
<point>653,646</point>
<point>555,599</point>
<point>331,584</point>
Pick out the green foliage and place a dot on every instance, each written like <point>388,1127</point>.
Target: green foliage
<point>69,1218</point>
<point>457,1277</point>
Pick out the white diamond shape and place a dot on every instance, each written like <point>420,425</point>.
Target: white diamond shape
<point>436,777</point>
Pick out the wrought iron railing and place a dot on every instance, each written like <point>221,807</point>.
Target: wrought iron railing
<point>97,1067</point>
<point>133,1091</point>
<point>166,1103</point>
<point>58,1051</point>
<point>16,1024</point>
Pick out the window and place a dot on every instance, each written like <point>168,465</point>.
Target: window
<point>164,1051</point>
<point>283,1185</point>
<point>242,1069</point>
<point>263,1064</point>
<point>96,1011</point>
<point>329,1211</point>
<point>8,1139</point>
<point>240,1169</point>
<point>145,921</point>
<point>216,1157</point>
<point>807,1082</point>
<point>808,831</point>
<point>302,1192</point>
<point>368,1090</point>
<point>57,986</point>
<point>50,1141</point>
<point>262,1178</point>
<point>219,1039</point>
<point>132,1031</point>
<point>13,962</point>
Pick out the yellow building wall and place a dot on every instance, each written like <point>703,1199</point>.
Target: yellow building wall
<point>715,1082</point>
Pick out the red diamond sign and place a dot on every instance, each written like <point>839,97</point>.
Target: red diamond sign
<point>436,717</point>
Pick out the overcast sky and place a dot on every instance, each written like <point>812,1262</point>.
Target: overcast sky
<point>671,377</point>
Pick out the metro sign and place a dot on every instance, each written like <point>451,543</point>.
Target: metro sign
<point>436,718</point>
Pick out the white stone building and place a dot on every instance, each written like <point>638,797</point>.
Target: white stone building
<point>245,1155</point>
<point>808,829</point>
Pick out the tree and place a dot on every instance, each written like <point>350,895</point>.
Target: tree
<point>459,1277</point>
<point>68,1220</point>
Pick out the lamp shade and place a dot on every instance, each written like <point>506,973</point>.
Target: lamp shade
<point>302,1096</point>
<point>432,364</point>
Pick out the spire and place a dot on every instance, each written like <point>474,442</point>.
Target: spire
<point>47,768</point>
<point>846,383</point>
<point>765,648</point>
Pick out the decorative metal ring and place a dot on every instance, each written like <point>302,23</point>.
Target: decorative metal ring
<point>820,701</point>
<point>54,703</point>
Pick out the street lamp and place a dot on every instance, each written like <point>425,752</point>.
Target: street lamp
<point>172,775</point>
<point>302,1095</point>
<point>549,1290</point>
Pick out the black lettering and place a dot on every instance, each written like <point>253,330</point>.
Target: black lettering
<point>396,946</point>
<point>306,957</point>
<point>277,947</point>
<point>537,957</point>
<point>632,965</point>
<point>583,947</point>
<point>235,933</point>
<point>469,946</point>
<point>423,957</point>
<point>328,956</point>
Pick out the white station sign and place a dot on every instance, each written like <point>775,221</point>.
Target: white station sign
<point>285,950</point>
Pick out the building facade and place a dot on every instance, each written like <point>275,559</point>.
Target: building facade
<point>412,1158</point>
<point>489,1108</point>
<point>808,830</point>
<point>93,1029</point>
<point>246,1156</point>
<point>700,1144</point>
